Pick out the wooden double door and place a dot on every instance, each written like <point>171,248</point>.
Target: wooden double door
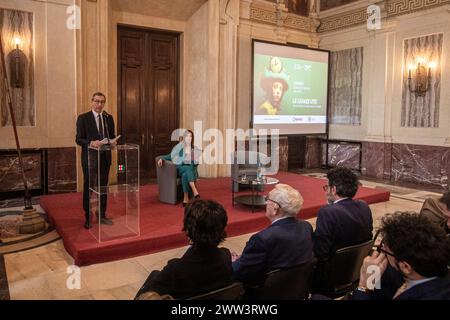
<point>148,92</point>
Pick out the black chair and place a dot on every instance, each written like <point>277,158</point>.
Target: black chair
<point>231,292</point>
<point>284,284</point>
<point>344,267</point>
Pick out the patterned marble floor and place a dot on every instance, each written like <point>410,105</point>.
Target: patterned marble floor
<point>42,273</point>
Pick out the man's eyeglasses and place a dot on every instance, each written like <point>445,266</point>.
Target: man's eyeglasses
<point>100,101</point>
<point>268,199</point>
<point>380,248</point>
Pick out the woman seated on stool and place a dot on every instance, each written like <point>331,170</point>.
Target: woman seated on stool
<point>186,165</point>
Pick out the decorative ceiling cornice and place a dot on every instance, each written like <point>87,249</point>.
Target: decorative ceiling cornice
<point>343,20</point>
<point>289,20</point>
<point>393,8</point>
<point>401,7</point>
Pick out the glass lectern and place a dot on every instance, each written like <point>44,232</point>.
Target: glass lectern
<point>114,192</point>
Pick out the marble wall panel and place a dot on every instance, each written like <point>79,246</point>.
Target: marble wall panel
<point>418,164</point>
<point>62,170</point>
<point>422,111</point>
<point>373,156</point>
<point>11,175</point>
<point>387,161</point>
<point>14,25</point>
<point>284,154</point>
<point>313,153</point>
<point>346,86</point>
<point>342,154</point>
<point>399,163</point>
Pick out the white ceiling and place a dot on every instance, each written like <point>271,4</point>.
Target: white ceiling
<point>172,9</point>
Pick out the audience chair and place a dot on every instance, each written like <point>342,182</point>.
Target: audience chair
<point>231,292</point>
<point>169,184</point>
<point>344,268</point>
<point>285,284</point>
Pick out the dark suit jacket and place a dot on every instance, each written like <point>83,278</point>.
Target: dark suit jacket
<point>198,271</point>
<point>437,289</point>
<point>341,224</point>
<point>285,243</point>
<point>87,131</point>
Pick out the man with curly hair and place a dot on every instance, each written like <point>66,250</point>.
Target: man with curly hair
<point>412,259</point>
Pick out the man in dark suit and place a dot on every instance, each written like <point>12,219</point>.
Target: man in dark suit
<point>287,242</point>
<point>93,127</point>
<point>344,221</point>
<point>412,262</point>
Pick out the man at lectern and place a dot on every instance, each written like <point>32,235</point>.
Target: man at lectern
<point>95,128</point>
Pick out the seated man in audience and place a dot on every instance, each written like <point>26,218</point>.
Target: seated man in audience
<point>343,222</point>
<point>204,267</point>
<point>287,242</point>
<point>412,261</point>
<point>437,210</point>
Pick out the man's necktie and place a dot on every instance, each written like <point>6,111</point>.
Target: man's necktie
<point>100,127</point>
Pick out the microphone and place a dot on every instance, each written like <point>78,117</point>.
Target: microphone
<point>106,124</point>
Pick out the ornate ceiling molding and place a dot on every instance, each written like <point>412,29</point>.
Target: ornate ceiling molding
<point>401,7</point>
<point>393,8</point>
<point>343,20</point>
<point>289,20</point>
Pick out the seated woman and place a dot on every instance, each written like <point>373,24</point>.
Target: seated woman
<point>437,210</point>
<point>204,267</point>
<point>186,165</point>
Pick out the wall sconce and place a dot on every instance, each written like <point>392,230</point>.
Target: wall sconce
<point>422,77</point>
<point>17,60</point>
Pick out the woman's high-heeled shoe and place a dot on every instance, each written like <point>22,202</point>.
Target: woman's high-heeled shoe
<point>197,196</point>
<point>185,204</point>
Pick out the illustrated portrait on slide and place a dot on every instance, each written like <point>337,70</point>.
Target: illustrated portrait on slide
<point>274,82</point>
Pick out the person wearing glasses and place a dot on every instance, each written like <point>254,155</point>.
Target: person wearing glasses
<point>412,261</point>
<point>287,242</point>
<point>92,128</point>
<point>341,223</point>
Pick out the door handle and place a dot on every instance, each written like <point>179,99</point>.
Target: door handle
<point>143,139</point>
<point>151,138</point>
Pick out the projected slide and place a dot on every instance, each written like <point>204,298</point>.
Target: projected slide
<point>289,88</point>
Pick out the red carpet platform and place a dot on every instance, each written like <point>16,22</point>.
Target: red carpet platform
<point>161,224</point>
